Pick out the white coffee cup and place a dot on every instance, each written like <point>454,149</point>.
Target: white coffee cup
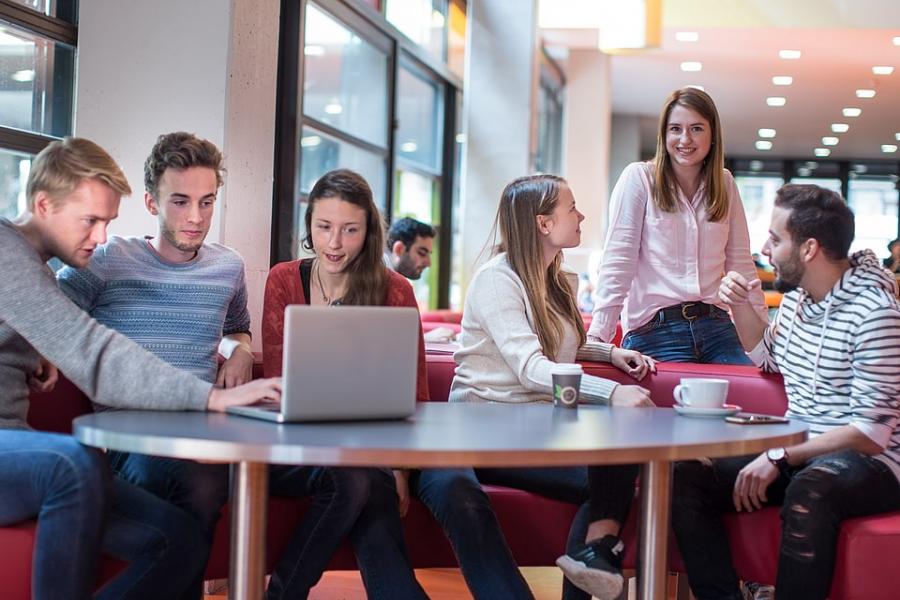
<point>566,378</point>
<point>698,392</point>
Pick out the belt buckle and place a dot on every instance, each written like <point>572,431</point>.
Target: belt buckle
<point>684,308</point>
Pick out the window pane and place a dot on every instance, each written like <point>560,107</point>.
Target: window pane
<point>36,82</point>
<point>758,196</point>
<point>418,196</point>
<point>874,204</point>
<point>320,153</point>
<point>345,79</point>
<point>456,39</point>
<point>422,21</point>
<point>61,9</point>
<point>420,112</point>
<point>14,168</point>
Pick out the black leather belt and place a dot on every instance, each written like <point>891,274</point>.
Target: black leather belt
<point>687,311</point>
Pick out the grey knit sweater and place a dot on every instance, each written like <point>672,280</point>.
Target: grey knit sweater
<point>37,319</point>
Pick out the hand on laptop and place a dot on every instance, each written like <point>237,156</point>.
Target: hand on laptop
<point>255,391</point>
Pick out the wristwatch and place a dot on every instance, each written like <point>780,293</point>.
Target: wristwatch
<point>778,457</point>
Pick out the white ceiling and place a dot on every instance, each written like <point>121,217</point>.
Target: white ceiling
<point>841,40</point>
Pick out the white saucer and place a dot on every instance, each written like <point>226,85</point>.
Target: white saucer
<point>691,411</point>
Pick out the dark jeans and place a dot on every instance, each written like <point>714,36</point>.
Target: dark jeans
<point>710,339</point>
<point>355,502</point>
<point>199,489</point>
<point>460,505</point>
<point>66,486</point>
<point>815,499</point>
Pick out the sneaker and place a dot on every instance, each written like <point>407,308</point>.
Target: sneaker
<point>758,591</point>
<point>596,568</point>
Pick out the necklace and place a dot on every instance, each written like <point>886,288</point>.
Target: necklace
<point>325,296</point>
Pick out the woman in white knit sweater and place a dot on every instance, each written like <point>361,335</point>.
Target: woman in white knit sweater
<point>521,317</point>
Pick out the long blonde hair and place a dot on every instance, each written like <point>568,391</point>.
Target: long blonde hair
<point>551,297</point>
<point>712,173</point>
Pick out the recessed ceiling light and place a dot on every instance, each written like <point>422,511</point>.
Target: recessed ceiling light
<point>865,93</point>
<point>888,148</point>
<point>789,54</point>
<point>697,87</point>
<point>782,80</point>
<point>766,133</point>
<point>882,70</point>
<point>776,101</point>
<point>852,112</point>
<point>830,140</point>
<point>821,152</point>
<point>756,165</point>
<point>687,36</point>
<point>840,127</point>
<point>811,164</point>
<point>897,41</point>
<point>763,145</point>
<point>691,66</point>
<point>897,136</point>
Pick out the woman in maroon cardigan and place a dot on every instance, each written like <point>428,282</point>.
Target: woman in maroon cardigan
<point>344,232</point>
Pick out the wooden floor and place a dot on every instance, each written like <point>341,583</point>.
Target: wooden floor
<point>441,584</point>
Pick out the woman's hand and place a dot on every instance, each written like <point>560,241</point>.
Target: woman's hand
<point>631,396</point>
<point>632,362</point>
<point>401,480</point>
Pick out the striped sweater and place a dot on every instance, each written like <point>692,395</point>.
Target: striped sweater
<point>840,357</point>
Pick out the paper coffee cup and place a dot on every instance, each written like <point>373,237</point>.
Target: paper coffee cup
<point>566,384</point>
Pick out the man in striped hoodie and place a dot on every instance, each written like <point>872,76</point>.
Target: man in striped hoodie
<point>836,341</point>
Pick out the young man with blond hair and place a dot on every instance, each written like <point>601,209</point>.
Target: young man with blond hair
<point>73,192</point>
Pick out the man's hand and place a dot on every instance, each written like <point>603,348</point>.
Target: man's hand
<point>401,480</point>
<point>632,362</point>
<point>44,377</point>
<point>734,289</point>
<point>238,369</point>
<point>258,390</point>
<point>631,396</point>
<point>752,482</point>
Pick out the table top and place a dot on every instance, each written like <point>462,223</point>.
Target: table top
<point>439,434</point>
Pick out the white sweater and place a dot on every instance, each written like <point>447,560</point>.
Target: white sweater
<point>500,357</point>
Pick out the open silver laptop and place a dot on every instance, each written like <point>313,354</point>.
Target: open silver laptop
<point>345,363</point>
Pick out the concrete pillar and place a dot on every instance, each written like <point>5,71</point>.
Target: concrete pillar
<point>587,147</point>
<point>501,87</point>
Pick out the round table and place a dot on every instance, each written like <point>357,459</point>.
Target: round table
<point>438,435</point>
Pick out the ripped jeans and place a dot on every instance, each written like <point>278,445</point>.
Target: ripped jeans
<point>814,498</point>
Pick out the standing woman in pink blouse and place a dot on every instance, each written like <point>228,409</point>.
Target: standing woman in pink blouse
<point>676,226</point>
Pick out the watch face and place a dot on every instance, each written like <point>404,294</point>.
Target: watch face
<point>775,454</point>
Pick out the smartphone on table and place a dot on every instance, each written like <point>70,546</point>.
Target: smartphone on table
<point>755,419</point>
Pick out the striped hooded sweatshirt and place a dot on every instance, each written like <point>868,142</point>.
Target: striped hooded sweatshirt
<point>840,357</point>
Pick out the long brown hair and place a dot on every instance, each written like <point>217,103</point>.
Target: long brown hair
<point>712,172</point>
<point>366,276</point>
<point>551,297</point>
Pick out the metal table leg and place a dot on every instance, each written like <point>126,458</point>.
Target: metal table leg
<point>656,489</point>
<point>249,506</point>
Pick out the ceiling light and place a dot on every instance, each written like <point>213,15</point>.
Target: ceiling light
<point>812,165</point>
<point>830,140</point>
<point>23,76</point>
<point>687,36</point>
<point>852,112</point>
<point>897,136</point>
<point>697,87</point>
<point>865,93</point>
<point>840,127</point>
<point>782,80</point>
<point>882,70</point>
<point>776,101</point>
<point>691,65</point>
<point>756,165</point>
<point>766,133</point>
<point>889,148</point>
<point>859,169</point>
<point>821,152</point>
<point>804,171</point>
<point>789,54</point>
<point>763,145</point>
<point>897,41</point>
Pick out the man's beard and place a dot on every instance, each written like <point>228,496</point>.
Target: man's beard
<point>183,246</point>
<point>789,274</point>
<point>406,267</point>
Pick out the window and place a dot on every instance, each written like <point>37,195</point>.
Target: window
<point>872,195</point>
<point>422,21</point>
<point>550,117</point>
<point>37,87</point>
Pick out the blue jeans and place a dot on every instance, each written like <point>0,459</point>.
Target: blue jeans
<point>66,486</point>
<point>359,503</point>
<point>460,505</point>
<point>199,489</point>
<point>814,498</point>
<point>711,339</point>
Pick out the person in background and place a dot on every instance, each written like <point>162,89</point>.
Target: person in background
<point>836,342</point>
<point>676,225</point>
<point>892,262</point>
<point>344,232</point>
<point>521,318</point>
<point>410,244</point>
<point>73,192</point>
<point>177,296</point>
